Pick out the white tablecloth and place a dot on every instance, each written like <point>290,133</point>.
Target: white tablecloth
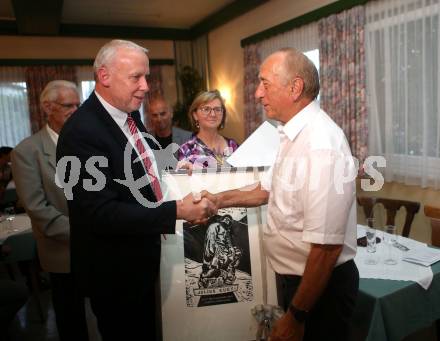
<point>402,271</point>
<point>20,224</point>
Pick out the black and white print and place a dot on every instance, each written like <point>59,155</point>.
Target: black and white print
<point>217,260</point>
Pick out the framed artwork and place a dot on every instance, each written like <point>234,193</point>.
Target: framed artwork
<point>217,260</point>
<point>212,275</point>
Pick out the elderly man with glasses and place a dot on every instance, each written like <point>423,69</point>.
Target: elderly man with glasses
<point>33,167</point>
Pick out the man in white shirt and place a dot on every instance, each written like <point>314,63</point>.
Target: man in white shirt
<point>33,167</point>
<point>310,238</point>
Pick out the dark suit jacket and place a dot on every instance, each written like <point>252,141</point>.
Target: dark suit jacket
<point>115,241</point>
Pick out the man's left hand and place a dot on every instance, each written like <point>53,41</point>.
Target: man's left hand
<point>287,329</point>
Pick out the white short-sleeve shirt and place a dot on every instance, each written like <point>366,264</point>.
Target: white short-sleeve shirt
<point>312,192</point>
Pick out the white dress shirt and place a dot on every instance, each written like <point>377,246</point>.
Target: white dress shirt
<point>312,192</point>
<point>53,134</point>
<point>120,118</point>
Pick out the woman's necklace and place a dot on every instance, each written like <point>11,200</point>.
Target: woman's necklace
<point>217,148</point>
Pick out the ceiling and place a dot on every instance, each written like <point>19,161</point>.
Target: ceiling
<point>147,19</point>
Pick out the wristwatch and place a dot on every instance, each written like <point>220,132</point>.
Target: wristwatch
<point>299,315</point>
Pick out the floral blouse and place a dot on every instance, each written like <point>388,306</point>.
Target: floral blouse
<point>199,154</point>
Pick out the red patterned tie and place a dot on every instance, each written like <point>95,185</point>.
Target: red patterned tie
<point>145,159</point>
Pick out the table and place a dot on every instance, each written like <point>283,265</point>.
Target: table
<point>388,310</point>
<point>20,224</point>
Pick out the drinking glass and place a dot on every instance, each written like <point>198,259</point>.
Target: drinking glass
<point>10,216</point>
<point>390,238</point>
<point>371,235</point>
<point>371,258</point>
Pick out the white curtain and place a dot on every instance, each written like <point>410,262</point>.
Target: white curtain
<point>304,38</point>
<point>200,58</point>
<point>192,53</point>
<point>183,56</point>
<point>402,56</point>
<point>14,107</point>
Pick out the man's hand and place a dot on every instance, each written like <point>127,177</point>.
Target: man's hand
<point>287,329</point>
<point>214,198</point>
<point>195,212</point>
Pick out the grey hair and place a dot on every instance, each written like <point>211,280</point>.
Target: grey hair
<point>296,64</point>
<point>51,90</point>
<point>107,52</point>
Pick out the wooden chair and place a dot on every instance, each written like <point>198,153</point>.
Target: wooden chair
<point>391,206</point>
<point>433,213</point>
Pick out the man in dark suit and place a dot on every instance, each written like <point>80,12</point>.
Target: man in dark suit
<point>33,166</point>
<point>115,233</point>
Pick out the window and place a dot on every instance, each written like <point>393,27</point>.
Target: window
<point>14,110</point>
<point>86,88</point>
<point>86,81</point>
<point>313,55</point>
<point>402,54</point>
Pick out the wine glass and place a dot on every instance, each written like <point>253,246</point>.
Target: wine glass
<point>390,238</point>
<point>10,217</point>
<point>370,233</point>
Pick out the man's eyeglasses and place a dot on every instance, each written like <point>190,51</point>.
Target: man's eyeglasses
<point>207,110</point>
<point>68,105</point>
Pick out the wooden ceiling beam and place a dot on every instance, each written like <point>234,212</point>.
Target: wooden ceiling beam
<point>38,17</point>
<point>43,18</point>
<point>224,15</point>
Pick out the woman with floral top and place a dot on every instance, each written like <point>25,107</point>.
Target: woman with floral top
<point>207,148</point>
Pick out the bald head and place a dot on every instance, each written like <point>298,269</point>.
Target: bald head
<point>156,102</point>
<point>288,83</point>
<point>160,116</point>
<point>294,63</point>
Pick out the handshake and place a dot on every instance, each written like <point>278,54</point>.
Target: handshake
<point>198,210</point>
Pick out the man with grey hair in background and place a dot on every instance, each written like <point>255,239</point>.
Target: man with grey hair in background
<point>115,235</point>
<point>33,167</point>
<point>310,237</point>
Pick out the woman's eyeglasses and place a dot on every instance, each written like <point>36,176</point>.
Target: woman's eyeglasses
<point>206,110</point>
